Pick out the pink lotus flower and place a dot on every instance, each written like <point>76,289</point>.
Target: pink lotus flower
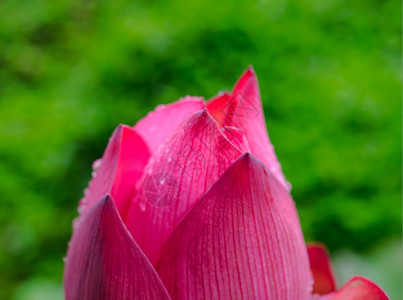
<point>191,203</point>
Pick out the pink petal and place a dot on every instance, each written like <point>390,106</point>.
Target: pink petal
<point>358,288</point>
<point>184,168</point>
<point>104,262</point>
<point>242,240</point>
<point>321,269</point>
<point>156,127</point>
<point>237,137</point>
<point>121,167</point>
<point>243,109</point>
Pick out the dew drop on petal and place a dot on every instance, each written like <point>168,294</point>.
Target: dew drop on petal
<point>159,107</point>
<point>96,164</point>
<point>76,223</point>
<point>81,207</point>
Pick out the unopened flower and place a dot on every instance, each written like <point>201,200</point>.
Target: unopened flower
<point>191,203</point>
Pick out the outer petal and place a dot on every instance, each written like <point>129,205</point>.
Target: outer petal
<point>358,288</point>
<point>156,127</point>
<point>104,262</point>
<point>122,165</point>
<point>185,167</point>
<point>244,110</point>
<point>321,268</point>
<point>242,240</point>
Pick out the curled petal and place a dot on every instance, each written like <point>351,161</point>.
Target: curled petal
<point>121,166</point>
<point>242,240</point>
<point>156,127</point>
<point>190,161</point>
<point>358,288</point>
<point>243,109</point>
<point>321,269</point>
<point>105,263</point>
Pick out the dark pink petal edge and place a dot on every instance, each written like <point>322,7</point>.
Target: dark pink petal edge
<point>105,263</point>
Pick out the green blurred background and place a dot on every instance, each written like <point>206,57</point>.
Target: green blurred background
<point>330,76</point>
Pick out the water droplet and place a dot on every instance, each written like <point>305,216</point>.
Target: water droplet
<point>94,174</point>
<point>159,107</point>
<point>142,206</point>
<point>76,223</point>
<point>80,209</point>
<point>96,164</point>
<point>169,158</point>
<point>65,259</point>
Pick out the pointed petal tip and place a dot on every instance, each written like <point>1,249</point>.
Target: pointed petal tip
<point>251,69</point>
<point>106,200</point>
<point>204,113</point>
<point>248,160</point>
<point>248,74</point>
<point>200,116</point>
<point>106,204</point>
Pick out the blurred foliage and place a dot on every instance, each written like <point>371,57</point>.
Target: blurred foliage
<point>71,70</point>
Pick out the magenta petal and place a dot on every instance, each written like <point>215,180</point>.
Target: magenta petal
<point>242,240</point>
<point>180,173</point>
<point>358,288</point>
<point>105,263</point>
<point>121,167</point>
<point>321,268</point>
<point>156,127</point>
<point>237,137</point>
<point>244,110</point>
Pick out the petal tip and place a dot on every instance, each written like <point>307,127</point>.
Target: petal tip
<point>251,70</point>
<point>248,160</point>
